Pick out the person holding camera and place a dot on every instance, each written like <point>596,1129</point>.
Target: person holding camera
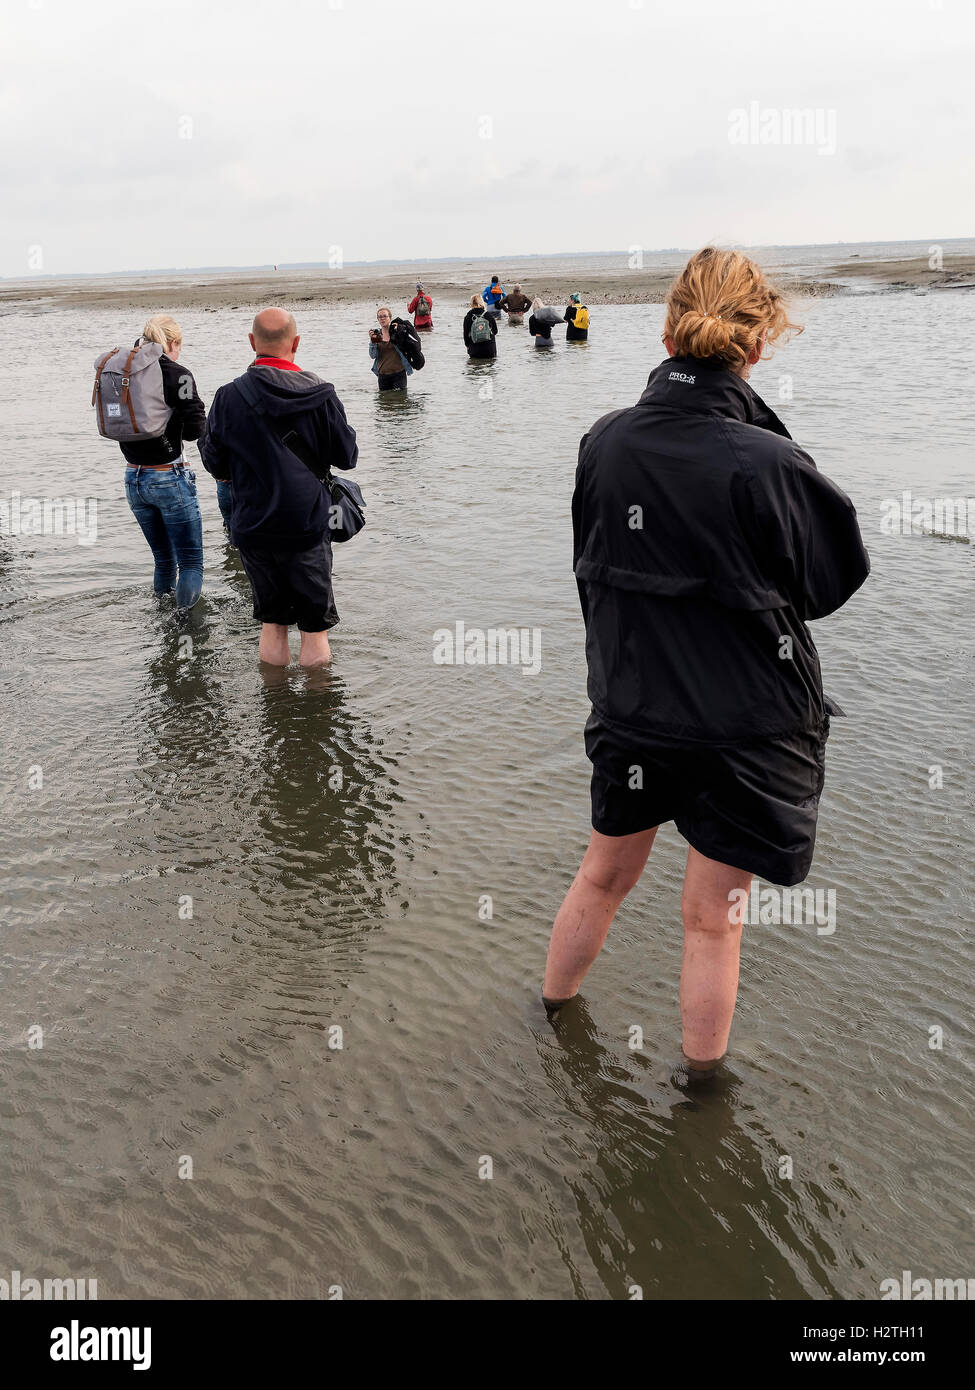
<point>389,361</point>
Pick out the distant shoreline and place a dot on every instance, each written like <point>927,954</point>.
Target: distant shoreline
<point>451,282</point>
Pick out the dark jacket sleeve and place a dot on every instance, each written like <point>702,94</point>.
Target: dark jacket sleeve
<point>812,531</point>
<point>578,524</point>
<point>570,314</point>
<point>494,327</point>
<point>180,393</point>
<point>343,449</point>
<point>468,319</point>
<point>211,449</point>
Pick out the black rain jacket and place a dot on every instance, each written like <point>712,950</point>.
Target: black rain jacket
<point>279,504</point>
<point>704,541</point>
<point>489,347</point>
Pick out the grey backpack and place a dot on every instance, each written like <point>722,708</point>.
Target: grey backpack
<point>129,393</point>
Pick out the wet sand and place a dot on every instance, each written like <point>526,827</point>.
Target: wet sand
<point>958,272</point>
<point>213,290</point>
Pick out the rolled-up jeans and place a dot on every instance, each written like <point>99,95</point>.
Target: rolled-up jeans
<point>165,505</point>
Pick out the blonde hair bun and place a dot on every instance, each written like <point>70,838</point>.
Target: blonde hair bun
<point>722,308</point>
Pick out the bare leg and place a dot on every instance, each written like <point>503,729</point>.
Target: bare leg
<point>315,650</point>
<point>712,942</point>
<point>610,867</point>
<point>274,644</point>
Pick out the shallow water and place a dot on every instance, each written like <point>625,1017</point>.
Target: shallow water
<point>337,834</point>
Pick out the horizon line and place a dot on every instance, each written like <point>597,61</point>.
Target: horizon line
<point>442,260</point>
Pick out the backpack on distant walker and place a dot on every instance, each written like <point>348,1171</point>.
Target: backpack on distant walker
<point>128,393</point>
<point>581,317</point>
<point>481,329</point>
<point>423,306</point>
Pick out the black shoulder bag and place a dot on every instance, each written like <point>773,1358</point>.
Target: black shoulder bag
<point>346,517</point>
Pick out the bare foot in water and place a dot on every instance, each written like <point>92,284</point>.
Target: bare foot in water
<point>273,649</point>
<point>315,650</point>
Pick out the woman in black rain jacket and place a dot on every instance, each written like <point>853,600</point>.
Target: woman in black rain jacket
<point>485,346</point>
<point>704,540</point>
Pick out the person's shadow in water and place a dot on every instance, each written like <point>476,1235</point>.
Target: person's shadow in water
<point>679,1201</point>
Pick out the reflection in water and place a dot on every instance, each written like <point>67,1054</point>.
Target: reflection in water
<point>298,776</point>
<point>661,1186</point>
<point>475,369</point>
<point>397,402</point>
<point>400,425</point>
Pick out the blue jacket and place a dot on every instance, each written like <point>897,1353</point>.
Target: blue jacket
<point>493,295</point>
<point>279,504</point>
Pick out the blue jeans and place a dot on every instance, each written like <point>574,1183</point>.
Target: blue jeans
<point>165,506</point>
<point>225,501</point>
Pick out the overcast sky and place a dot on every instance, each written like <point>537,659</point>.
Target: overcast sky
<point>149,133</point>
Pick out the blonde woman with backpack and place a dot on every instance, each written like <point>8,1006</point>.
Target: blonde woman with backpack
<point>158,487</point>
<point>480,331</point>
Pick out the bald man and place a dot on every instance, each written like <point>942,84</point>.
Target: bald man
<point>275,434</point>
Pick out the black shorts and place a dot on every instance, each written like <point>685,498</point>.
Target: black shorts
<point>292,586</point>
<point>752,804</point>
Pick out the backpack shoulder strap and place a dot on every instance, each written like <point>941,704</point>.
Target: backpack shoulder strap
<point>126,396</point>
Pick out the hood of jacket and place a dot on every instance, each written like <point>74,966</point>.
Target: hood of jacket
<point>286,393</point>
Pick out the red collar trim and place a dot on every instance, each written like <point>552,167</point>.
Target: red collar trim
<point>277,362</point>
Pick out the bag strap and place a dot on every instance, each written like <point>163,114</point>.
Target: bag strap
<point>288,437</point>
<point>249,393</point>
<point>96,389</point>
<point>126,394</point>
